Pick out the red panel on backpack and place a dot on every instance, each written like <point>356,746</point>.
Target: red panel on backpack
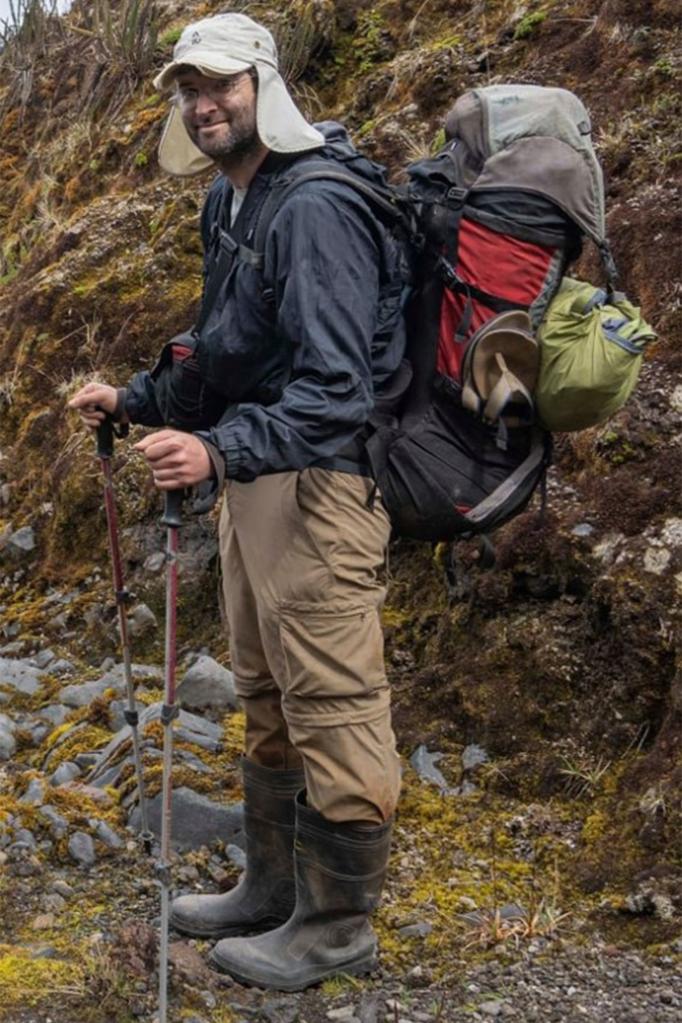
<point>498,264</point>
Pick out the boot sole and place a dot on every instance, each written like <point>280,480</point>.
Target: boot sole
<point>235,931</point>
<point>298,983</point>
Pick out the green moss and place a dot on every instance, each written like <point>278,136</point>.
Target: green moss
<point>528,24</point>
<point>438,141</point>
<point>27,982</point>
<point>170,37</point>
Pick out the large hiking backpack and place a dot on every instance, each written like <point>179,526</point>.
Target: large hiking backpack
<point>492,221</point>
<point>503,209</point>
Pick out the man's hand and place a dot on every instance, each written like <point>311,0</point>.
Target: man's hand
<point>93,402</point>
<point>176,459</point>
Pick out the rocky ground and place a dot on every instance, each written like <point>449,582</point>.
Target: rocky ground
<point>481,918</point>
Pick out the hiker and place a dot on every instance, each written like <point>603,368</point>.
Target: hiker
<point>292,354</point>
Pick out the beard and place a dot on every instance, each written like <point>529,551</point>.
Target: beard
<point>230,142</point>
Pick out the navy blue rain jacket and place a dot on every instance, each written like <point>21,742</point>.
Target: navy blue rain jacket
<point>300,349</point>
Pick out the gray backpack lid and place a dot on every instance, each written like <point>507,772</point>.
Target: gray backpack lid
<point>534,138</point>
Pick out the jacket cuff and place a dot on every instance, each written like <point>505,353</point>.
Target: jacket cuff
<point>217,461</point>
<point>120,413</point>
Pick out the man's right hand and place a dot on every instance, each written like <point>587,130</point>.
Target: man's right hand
<point>94,402</point>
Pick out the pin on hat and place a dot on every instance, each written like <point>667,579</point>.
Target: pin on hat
<point>225,45</point>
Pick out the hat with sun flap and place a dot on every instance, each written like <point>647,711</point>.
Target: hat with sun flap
<point>224,45</point>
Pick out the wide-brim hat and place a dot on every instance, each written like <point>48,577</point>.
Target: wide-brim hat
<point>225,45</point>
<point>502,364</point>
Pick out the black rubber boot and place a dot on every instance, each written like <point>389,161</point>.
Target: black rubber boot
<point>340,872</point>
<point>266,893</point>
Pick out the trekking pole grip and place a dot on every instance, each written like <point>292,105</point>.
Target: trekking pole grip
<point>105,438</point>
<point>172,509</point>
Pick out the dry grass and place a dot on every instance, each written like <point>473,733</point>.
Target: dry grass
<point>544,920</point>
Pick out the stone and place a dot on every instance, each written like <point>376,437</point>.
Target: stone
<point>8,744</point>
<point>207,685</point>
<point>43,658</point>
<point>55,714</point>
<point>62,888</point>
<point>20,675</point>
<point>35,793</point>
<point>196,820</point>
<point>61,667</point>
<point>106,834</point>
<point>116,712</point>
<point>473,756</point>
<point>204,741</point>
<point>103,799</point>
<point>66,772</point>
<point>236,855</point>
<point>418,930</point>
<point>54,903</point>
<point>368,1009</point>
<point>188,964</point>
<point>583,529</point>
<point>20,544</point>
<point>344,1012</point>
<point>82,849</point>
<point>82,695</point>
<point>7,724</point>
<point>142,621</point>
<point>155,562</point>
<point>656,560</point>
<point>58,824</point>
<point>491,1009</point>
<point>24,837</point>
<point>671,534</point>
<point>424,764</point>
<point>43,922</point>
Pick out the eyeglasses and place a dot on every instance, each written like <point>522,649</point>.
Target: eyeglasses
<point>218,89</point>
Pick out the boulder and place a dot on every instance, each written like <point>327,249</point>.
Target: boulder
<point>196,820</point>
<point>207,685</point>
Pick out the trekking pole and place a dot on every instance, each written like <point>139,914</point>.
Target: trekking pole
<point>105,450</point>
<point>172,519</point>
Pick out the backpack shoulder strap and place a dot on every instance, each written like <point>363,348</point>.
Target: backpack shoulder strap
<point>385,201</point>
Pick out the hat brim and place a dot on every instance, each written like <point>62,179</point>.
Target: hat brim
<point>281,125</point>
<point>206,61</point>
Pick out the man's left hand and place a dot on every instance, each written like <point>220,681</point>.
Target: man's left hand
<point>176,459</point>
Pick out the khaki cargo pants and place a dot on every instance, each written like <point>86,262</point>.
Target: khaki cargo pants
<point>301,556</point>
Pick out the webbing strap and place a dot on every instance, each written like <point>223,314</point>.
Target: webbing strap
<point>501,494</point>
<point>383,200</point>
<point>454,282</point>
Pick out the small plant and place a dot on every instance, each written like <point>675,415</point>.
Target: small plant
<point>495,928</point>
<point>583,778</point>
<point>528,24</point>
<point>169,37</point>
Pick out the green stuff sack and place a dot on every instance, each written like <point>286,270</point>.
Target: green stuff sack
<point>590,356</point>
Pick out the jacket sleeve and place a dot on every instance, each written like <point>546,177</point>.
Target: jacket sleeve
<point>140,401</point>
<point>322,260</point>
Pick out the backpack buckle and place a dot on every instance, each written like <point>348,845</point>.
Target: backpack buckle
<point>456,196</point>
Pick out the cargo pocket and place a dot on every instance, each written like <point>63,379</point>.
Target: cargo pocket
<point>334,663</point>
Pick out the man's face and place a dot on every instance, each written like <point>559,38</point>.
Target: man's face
<point>219,113</point>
